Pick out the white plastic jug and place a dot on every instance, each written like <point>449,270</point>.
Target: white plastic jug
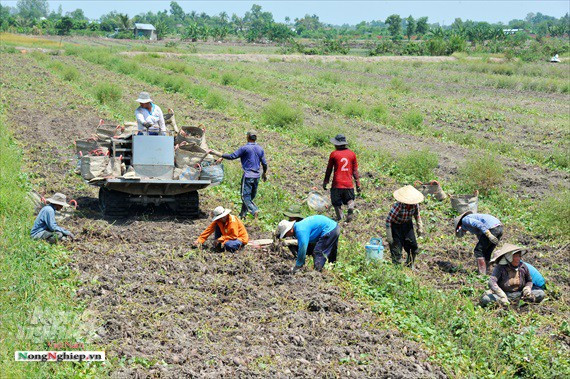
<point>375,250</point>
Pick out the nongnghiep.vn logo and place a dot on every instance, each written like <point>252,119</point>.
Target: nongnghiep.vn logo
<point>59,356</point>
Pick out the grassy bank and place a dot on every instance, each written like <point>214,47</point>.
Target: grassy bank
<point>37,286</point>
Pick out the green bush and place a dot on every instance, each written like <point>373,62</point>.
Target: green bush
<point>483,172</point>
<point>317,137</point>
<point>228,79</point>
<point>173,83</point>
<point>281,115</point>
<point>413,120</point>
<point>398,85</point>
<point>330,104</point>
<point>329,77</point>
<point>107,93</point>
<point>215,100</point>
<point>70,74</point>
<point>553,215</point>
<point>417,165</point>
<point>378,113</point>
<point>354,109</point>
<point>127,67</point>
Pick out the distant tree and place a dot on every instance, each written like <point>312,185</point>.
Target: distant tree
<point>177,12</point>
<point>77,15</point>
<point>223,17</point>
<point>287,19</point>
<point>394,25</point>
<point>191,32</point>
<point>279,32</point>
<point>32,9</point>
<point>160,27</point>
<point>124,21</point>
<point>64,25</point>
<point>307,23</point>
<point>422,26</point>
<point>410,27</point>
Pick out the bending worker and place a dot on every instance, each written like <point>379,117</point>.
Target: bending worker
<point>343,160</point>
<point>229,231</point>
<point>150,119</point>
<point>45,227</point>
<point>511,279</point>
<point>489,231</point>
<point>252,157</point>
<point>399,225</point>
<point>318,229</point>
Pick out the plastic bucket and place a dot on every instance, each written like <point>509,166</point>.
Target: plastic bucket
<point>374,250</point>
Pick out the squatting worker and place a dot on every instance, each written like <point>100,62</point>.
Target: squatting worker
<point>399,225</point>
<point>511,279</point>
<point>293,213</point>
<point>150,119</point>
<point>229,231</point>
<point>488,230</point>
<point>318,229</point>
<point>252,159</point>
<point>45,227</point>
<point>343,160</point>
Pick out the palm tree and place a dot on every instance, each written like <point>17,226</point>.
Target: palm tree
<point>124,21</point>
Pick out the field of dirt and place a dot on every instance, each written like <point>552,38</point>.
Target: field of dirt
<point>179,312</point>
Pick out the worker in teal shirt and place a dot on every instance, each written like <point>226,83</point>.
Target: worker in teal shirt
<point>537,278</point>
<point>320,230</point>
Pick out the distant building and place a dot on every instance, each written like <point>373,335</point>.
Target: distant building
<point>145,30</point>
<point>511,31</point>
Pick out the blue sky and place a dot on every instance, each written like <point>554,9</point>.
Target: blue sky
<point>334,12</point>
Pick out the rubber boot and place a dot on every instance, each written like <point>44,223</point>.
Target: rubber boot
<point>482,266</point>
<point>411,260</point>
<point>349,213</point>
<point>487,268</point>
<point>338,212</point>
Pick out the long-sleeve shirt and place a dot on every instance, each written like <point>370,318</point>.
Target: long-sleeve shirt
<point>233,229</point>
<point>251,156</point>
<point>479,223</point>
<point>45,222</point>
<point>345,167</point>
<point>509,278</point>
<point>537,278</point>
<point>402,213</point>
<point>309,230</point>
<point>155,116</point>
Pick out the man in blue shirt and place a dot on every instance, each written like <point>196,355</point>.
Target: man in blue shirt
<point>320,230</point>
<point>252,159</point>
<point>45,227</point>
<point>488,230</point>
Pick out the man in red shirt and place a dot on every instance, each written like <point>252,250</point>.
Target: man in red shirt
<point>343,160</point>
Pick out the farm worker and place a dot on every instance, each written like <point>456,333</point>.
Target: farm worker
<point>489,231</point>
<point>538,280</point>
<point>252,159</point>
<point>318,229</point>
<point>229,231</point>
<point>149,116</point>
<point>399,225</point>
<point>511,279</point>
<point>45,227</point>
<point>343,160</point>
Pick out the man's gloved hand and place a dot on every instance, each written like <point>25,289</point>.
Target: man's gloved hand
<point>526,292</point>
<point>389,238</point>
<point>325,185</point>
<point>420,227</point>
<point>491,237</point>
<point>264,177</point>
<point>147,124</point>
<point>504,301</point>
<point>358,190</point>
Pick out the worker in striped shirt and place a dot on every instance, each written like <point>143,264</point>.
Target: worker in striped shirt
<point>399,226</point>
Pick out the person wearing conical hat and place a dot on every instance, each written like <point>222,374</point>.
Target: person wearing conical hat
<point>229,232</point>
<point>45,226</point>
<point>511,279</point>
<point>399,226</point>
<point>149,116</point>
<point>343,161</point>
<point>488,230</point>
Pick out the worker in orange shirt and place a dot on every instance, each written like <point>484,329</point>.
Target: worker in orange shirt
<point>228,230</point>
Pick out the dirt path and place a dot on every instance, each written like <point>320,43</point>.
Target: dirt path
<point>202,314</point>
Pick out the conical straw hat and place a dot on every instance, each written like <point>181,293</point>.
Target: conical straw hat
<point>408,195</point>
<point>507,248</point>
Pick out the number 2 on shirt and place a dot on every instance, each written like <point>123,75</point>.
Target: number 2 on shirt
<point>344,163</point>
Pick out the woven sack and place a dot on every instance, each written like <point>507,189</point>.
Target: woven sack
<point>464,203</point>
<point>431,188</point>
<point>212,172</point>
<point>93,166</point>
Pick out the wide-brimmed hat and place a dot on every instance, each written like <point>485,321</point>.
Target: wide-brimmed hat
<point>252,134</point>
<point>144,97</point>
<point>339,140</point>
<point>283,227</point>
<point>293,211</point>
<point>458,220</point>
<point>408,195</point>
<point>507,249</point>
<point>59,199</point>
<point>220,212</point>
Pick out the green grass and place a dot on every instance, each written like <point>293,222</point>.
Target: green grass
<point>416,165</point>
<point>412,120</point>
<point>483,172</point>
<point>280,114</point>
<point>107,93</point>
<point>37,285</point>
<point>553,215</point>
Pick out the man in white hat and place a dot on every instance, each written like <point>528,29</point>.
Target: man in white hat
<point>228,230</point>
<point>399,225</point>
<point>45,227</point>
<point>343,161</point>
<point>150,119</point>
<point>319,230</point>
<point>488,230</point>
<point>511,279</point>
